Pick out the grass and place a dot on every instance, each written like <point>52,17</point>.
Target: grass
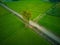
<point>52,22</point>
<point>35,7</point>
<point>14,32</point>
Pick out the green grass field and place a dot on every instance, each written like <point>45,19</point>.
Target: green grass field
<point>35,7</point>
<point>52,22</point>
<point>14,32</point>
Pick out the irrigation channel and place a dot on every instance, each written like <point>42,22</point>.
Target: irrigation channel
<point>49,36</point>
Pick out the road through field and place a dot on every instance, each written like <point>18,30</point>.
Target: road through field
<point>49,35</point>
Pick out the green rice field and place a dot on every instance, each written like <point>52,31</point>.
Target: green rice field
<point>14,32</point>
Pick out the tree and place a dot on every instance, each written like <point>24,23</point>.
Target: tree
<point>26,14</point>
